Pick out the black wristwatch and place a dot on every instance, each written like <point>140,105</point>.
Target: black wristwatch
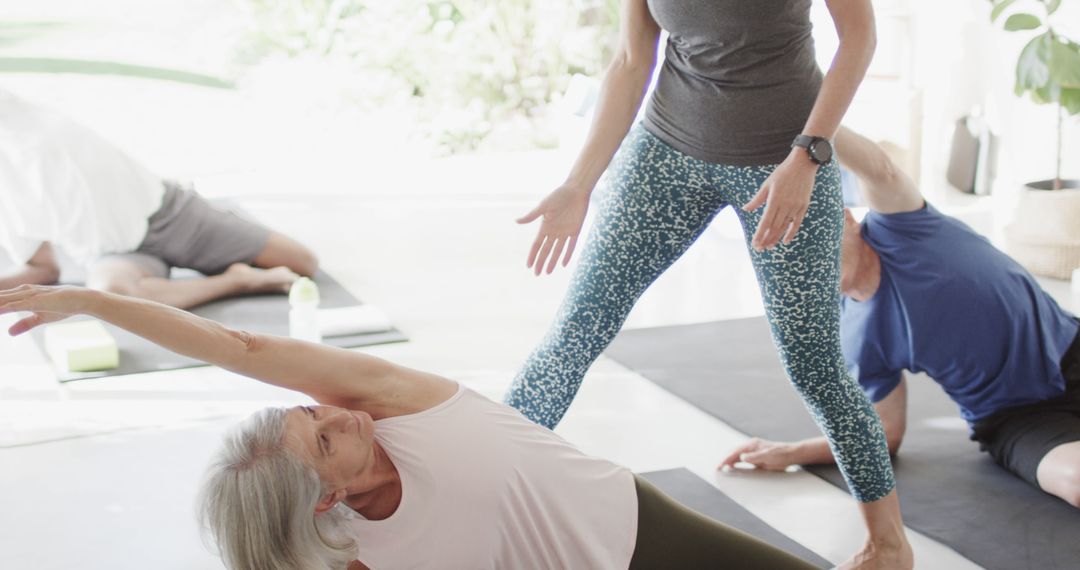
<point>819,148</point>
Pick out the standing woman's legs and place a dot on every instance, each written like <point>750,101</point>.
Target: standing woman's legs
<point>800,287</point>
<point>658,202</point>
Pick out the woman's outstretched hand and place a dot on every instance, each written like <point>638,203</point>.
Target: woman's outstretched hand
<point>563,212</point>
<point>47,305</point>
<point>786,196</point>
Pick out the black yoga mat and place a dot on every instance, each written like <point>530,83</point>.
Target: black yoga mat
<point>948,489</point>
<point>267,314</point>
<point>698,494</point>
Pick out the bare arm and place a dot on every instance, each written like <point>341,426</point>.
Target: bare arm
<point>854,21</point>
<point>786,192</point>
<point>330,375</point>
<point>887,189</point>
<point>41,269</point>
<point>621,93</point>
<point>564,209</point>
<point>776,456</point>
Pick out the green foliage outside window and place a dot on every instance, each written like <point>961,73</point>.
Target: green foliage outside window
<point>464,68</point>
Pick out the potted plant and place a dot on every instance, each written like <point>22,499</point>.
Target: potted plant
<point>1045,234</point>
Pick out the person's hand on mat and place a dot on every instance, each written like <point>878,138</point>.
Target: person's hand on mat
<point>564,213</point>
<point>762,454</point>
<point>47,305</point>
<point>786,196</point>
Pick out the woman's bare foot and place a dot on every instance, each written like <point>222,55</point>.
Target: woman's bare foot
<point>881,557</point>
<point>254,280</point>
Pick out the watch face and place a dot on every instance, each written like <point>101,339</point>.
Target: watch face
<point>821,150</point>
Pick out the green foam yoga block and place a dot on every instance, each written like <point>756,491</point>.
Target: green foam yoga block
<point>83,346</point>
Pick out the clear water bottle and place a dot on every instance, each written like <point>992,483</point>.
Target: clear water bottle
<point>304,310</point>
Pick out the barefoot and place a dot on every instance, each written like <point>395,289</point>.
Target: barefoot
<point>254,280</point>
<point>880,557</point>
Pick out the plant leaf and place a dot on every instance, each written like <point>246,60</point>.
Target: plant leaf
<point>1032,67</point>
<point>90,67</point>
<point>1046,94</point>
<point>999,8</point>
<point>1065,64</point>
<point>13,33</point>
<point>1018,22</point>
<point>1070,100</point>
<point>1052,6</point>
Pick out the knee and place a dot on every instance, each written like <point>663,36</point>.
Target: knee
<point>1071,486</point>
<point>305,263</point>
<point>290,253</point>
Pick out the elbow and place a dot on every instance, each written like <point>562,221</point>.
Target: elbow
<point>861,41</point>
<point>630,62</point>
<point>870,43</point>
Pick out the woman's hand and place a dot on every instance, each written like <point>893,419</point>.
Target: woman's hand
<point>564,213</point>
<point>762,454</point>
<point>786,195</point>
<point>48,304</point>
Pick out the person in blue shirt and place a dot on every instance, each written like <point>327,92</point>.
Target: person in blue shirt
<point>922,292</point>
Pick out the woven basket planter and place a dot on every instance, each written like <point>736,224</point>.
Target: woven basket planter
<point>1045,234</point>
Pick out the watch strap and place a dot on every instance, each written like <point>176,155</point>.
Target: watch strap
<point>805,140</point>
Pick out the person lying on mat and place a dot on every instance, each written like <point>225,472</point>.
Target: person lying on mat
<point>64,186</point>
<point>398,468</point>
<point>925,293</point>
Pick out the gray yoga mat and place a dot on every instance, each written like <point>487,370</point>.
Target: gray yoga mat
<point>698,494</point>
<point>267,314</point>
<point>948,489</point>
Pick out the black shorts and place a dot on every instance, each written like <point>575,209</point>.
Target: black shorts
<point>1018,438</point>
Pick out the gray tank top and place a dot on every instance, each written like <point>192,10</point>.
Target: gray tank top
<point>739,78</point>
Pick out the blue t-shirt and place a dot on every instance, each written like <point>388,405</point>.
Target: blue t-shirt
<point>952,305</point>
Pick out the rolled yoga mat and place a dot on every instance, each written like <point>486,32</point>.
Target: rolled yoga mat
<point>267,314</point>
<point>949,490</point>
<point>699,495</point>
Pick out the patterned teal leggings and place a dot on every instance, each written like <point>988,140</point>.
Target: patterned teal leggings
<point>658,202</point>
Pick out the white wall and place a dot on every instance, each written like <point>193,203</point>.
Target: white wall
<point>956,60</point>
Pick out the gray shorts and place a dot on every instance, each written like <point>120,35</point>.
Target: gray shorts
<point>190,232</point>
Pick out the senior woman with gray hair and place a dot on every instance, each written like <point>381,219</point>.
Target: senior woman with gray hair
<point>397,468</point>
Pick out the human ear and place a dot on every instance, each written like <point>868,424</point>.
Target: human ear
<point>328,501</point>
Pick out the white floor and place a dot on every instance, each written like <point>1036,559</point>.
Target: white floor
<point>102,474</point>
<point>123,498</point>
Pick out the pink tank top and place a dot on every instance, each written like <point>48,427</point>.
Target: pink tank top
<point>483,487</point>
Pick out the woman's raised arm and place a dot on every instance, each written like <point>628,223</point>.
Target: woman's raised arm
<point>331,375</point>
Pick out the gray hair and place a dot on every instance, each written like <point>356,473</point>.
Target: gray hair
<point>258,502</point>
